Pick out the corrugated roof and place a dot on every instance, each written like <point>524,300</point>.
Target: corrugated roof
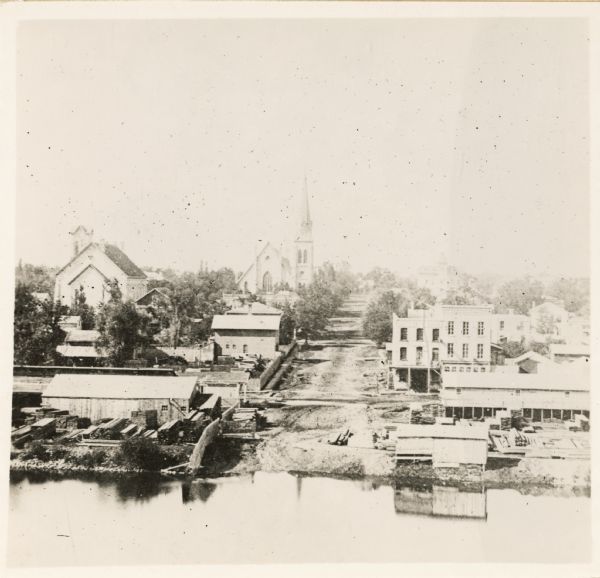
<point>563,378</point>
<point>120,386</point>
<point>259,322</point>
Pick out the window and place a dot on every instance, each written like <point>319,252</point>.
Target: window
<point>403,354</point>
<point>476,369</point>
<point>454,368</point>
<point>458,391</point>
<point>299,256</point>
<point>244,348</point>
<point>435,354</point>
<point>267,283</point>
<point>469,369</point>
<point>461,369</point>
<point>450,349</point>
<point>517,392</point>
<point>480,328</point>
<point>502,325</point>
<point>435,335</point>
<point>567,393</point>
<point>227,346</point>
<point>419,355</point>
<point>480,351</point>
<point>447,368</point>
<point>419,334</point>
<point>465,328</point>
<point>305,256</point>
<point>403,334</point>
<point>483,370</point>
<point>450,327</point>
<point>233,346</point>
<point>183,408</point>
<point>164,408</point>
<point>465,350</point>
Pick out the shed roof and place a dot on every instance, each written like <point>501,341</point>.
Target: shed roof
<point>120,386</point>
<point>79,351</point>
<point>82,335</point>
<point>563,378</point>
<point>476,432</point>
<point>223,377</point>
<point>257,322</point>
<point>256,308</point>
<point>568,349</point>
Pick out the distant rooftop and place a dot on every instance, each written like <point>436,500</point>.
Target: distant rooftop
<point>251,322</point>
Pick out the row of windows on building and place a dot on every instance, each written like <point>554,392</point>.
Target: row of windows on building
<point>233,346</point>
<point>435,333</point>
<point>435,352</point>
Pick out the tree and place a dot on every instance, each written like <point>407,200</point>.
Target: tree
<point>377,321</point>
<point>513,348</point>
<point>287,324</point>
<point>83,310</point>
<point>123,329</point>
<point>37,332</point>
<point>382,278</point>
<point>574,293</point>
<point>518,294</point>
<point>39,279</point>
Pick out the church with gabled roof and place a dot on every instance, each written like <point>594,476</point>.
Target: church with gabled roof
<point>275,268</point>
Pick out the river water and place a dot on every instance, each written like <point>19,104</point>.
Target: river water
<point>284,518</point>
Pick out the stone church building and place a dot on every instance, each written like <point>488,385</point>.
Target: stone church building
<point>276,268</point>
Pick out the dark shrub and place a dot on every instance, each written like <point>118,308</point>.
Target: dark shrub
<point>58,453</point>
<point>140,453</point>
<point>36,451</point>
<point>90,459</point>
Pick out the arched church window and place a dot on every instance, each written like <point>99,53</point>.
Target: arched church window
<point>267,283</point>
<point>299,256</point>
<point>305,256</point>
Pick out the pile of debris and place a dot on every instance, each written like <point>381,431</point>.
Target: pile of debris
<point>341,439</point>
<point>244,420</point>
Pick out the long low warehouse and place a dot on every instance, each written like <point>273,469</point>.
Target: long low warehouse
<point>541,396</point>
<point>110,396</point>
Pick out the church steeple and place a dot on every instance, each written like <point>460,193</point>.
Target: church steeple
<point>304,244</point>
<point>305,233</point>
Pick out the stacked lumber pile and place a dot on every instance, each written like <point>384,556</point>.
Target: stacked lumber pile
<point>41,429</point>
<point>110,430</point>
<point>168,433</point>
<point>505,420</point>
<point>426,414</point>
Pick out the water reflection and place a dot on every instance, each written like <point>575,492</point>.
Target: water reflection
<point>447,501</point>
<point>197,490</point>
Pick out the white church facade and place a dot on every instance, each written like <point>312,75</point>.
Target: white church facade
<point>91,269</point>
<point>280,268</point>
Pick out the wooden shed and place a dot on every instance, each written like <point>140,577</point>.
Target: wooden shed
<point>445,446</point>
<point>111,396</point>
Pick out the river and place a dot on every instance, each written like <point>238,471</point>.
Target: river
<point>284,518</point>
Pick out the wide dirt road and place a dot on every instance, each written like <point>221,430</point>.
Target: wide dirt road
<point>329,391</point>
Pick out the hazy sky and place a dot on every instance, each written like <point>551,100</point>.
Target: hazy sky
<point>189,140</point>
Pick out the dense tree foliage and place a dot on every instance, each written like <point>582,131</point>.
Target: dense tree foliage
<point>83,310</point>
<point>124,329</point>
<point>377,321</point>
<point>36,329</point>
<point>518,295</point>
<point>573,292</point>
<point>38,279</point>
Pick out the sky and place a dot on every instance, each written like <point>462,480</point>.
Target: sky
<point>189,140</point>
